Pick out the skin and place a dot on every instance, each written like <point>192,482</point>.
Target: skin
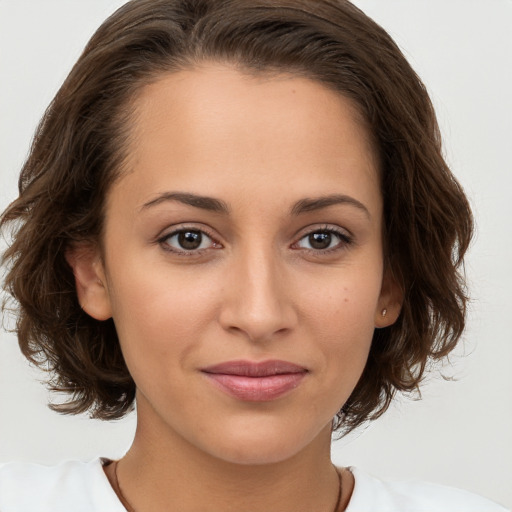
<point>256,289</point>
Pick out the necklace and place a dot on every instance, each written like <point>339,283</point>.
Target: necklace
<point>129,508</point>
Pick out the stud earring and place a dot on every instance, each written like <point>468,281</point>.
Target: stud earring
<point>384,312</point>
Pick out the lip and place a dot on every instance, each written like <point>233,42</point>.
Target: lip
<point>255,381</point>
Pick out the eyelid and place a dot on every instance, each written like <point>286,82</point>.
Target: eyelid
<point>314,228</point>
<point>162,238</point>
<point>346,238</point>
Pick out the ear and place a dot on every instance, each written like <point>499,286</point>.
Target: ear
<point>91,285</point>
<point>390,301</point>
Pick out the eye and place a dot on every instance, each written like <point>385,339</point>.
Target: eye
<point>187,241</point>
<point>324,240</point>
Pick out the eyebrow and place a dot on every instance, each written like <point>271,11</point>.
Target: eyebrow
<point>212,204</point>
<point>205,203</point>
<point>318,203</point>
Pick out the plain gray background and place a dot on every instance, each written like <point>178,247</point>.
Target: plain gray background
<point>460,433</point>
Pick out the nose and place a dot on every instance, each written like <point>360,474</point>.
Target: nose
<point>257,301</point>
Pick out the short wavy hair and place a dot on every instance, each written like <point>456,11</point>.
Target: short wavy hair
<point>78,151</point>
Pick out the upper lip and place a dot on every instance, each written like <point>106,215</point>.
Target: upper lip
<point>254,369</point>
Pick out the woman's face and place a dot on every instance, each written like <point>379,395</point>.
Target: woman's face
<point>243,260</point>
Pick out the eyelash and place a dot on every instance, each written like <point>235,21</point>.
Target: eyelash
<point>163,241</point>
<point>345,240</point>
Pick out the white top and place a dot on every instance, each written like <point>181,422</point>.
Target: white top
<point>83,487</point>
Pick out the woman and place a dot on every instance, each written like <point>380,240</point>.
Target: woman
<point>238,214</point>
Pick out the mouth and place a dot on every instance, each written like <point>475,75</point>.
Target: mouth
<point>255,381</point>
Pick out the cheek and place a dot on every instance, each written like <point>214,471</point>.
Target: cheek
<point>345,303</point>
<point>341,318</point>
<point>162,313</point>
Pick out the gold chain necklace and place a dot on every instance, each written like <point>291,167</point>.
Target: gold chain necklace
<point>129,508</point>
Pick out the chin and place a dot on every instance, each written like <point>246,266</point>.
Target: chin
<point>256,455</point>
<point>271,445</point>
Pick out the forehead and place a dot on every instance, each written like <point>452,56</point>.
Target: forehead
<point>216,127</point>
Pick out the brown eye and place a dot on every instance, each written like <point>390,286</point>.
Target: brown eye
<point>324,240</point>
<point>320,240</point>
<point>187,240</point>
<point>190,240</point>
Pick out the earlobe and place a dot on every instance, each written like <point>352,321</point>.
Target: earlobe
<point>387,316</point>
<point>90,281</point>
<point>390,302</point>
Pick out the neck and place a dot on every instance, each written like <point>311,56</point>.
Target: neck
<point>160,470</point>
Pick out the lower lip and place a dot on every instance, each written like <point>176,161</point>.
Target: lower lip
<point>256,389</point>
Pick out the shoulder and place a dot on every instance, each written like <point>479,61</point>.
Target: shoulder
<point>413,496</point>
<point>72,485</point>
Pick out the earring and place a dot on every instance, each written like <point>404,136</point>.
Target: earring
<point>384,312</point>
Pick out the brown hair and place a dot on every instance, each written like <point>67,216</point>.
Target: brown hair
<point>77,153</point>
